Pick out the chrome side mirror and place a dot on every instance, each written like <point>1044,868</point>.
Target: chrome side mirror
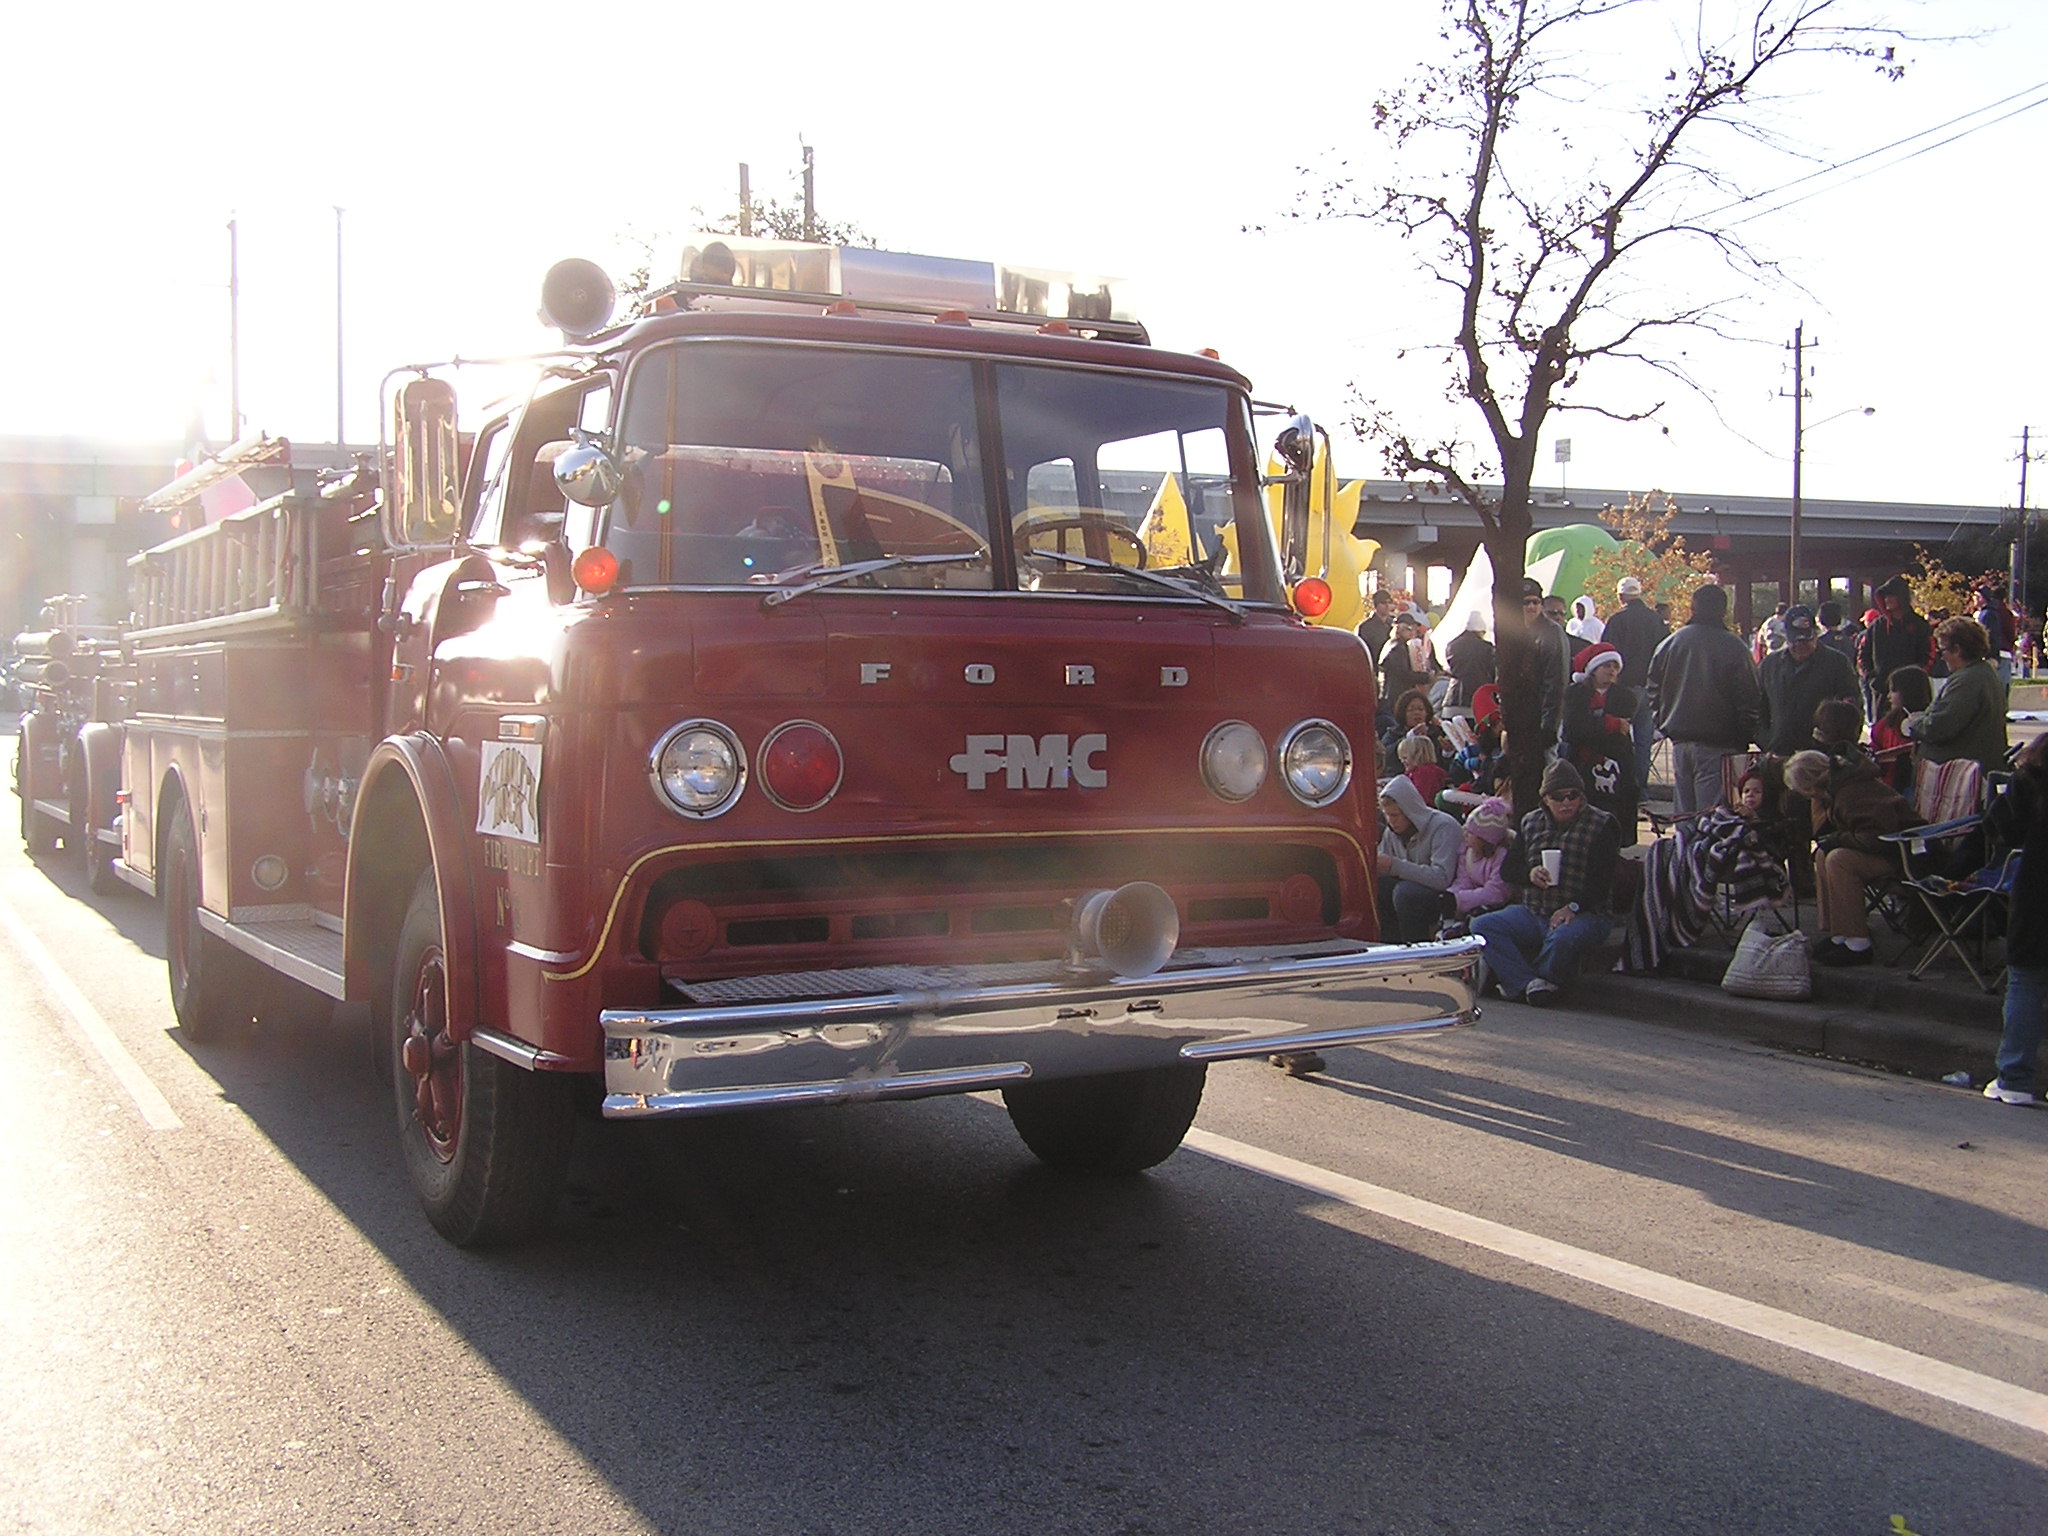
<point>1296,448</point>
<point>588,475</point>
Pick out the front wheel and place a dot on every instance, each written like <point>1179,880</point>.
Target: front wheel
<point>486,1143</point>
<point>39,829</point>
<point>211,982</point>
<point>1120,1122</point>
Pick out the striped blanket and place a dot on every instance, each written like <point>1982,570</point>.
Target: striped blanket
<point>1717,857</point>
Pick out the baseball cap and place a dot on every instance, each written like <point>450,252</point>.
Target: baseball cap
<point>1628,586</point>
<point>1799,623</point>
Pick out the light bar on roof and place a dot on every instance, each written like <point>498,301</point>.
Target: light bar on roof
<point>900,277</point>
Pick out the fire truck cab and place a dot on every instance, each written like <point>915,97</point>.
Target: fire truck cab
<point>865,679</point>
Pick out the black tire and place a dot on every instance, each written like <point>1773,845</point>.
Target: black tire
<point>212,984</point>
<point>486,1143</point>
<point>97,805</point>
<point>38,830</point>
<point>1120,1122</point>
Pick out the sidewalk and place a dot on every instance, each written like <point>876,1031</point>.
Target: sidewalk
<point>1927,1028</point>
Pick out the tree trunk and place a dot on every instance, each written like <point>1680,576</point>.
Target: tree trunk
<point>1521,686</point>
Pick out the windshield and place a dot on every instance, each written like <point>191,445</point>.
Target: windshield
<point>751,464</point>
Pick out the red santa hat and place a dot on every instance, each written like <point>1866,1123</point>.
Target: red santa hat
<point>1592,656</point>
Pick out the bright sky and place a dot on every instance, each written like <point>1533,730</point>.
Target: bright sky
<point>472,146</point>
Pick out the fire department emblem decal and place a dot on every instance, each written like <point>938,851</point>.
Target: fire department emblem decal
<point>508,800</point>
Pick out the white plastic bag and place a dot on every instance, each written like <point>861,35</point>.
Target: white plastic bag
<point>1771,965</point>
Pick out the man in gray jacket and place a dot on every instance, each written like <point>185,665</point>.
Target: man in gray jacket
<point>1418,858</point>
<point>1798,680</point>
<point>1703,689</point>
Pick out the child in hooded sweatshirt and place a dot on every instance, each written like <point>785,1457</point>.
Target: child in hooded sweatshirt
<point>1479,884</point>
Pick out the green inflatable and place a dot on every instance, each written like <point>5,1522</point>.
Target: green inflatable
<point>1559,557</point>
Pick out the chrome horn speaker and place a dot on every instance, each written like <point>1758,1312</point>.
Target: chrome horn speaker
<point>1132,930</point>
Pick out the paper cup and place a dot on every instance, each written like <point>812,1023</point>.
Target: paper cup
<point>1553,863</point>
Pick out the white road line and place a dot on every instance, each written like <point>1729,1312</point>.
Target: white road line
<point>156,1110</point>
<point>1886,1362</point>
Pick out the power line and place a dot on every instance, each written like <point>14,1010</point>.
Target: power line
<point>1883,149</point>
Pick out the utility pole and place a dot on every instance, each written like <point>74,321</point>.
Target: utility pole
<point>2017,574</point>
<point>1799,345</point>
<point>746,204</point>
<point>810,202</point>
<point>339,438</point>
<point>234,334</point>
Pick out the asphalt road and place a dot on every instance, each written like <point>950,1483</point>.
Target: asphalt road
<point>1430,1292</point>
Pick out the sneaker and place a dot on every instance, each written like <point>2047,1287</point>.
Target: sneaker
<point>1999,1093</point>
<point>1539,993</point>
<point>1842,954</point>
<point>1298,1063</point>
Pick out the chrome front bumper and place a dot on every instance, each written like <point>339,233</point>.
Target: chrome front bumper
<point>909,1031</point>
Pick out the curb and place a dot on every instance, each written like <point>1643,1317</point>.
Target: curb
<point>1918,1045</point>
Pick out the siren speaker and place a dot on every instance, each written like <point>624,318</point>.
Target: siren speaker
<point>577,297</point>
<point>1132,929</point>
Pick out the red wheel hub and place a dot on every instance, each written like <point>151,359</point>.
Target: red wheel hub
<point>432,1059</point>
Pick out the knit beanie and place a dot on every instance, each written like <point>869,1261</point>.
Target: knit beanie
<point>1562,775</point>
<point>1491,821</point>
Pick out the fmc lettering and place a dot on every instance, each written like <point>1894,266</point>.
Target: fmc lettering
<point>1050,762</point>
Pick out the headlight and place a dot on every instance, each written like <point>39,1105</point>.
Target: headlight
<point>1234,761</point>
<point>1315,759</point>
<point>698,768</point>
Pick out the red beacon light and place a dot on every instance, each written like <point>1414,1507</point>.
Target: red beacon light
<point>595,570</point>
<point>801,765</point>
<point>1312,597</point>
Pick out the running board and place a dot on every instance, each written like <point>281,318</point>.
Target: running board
<point>302,950</point>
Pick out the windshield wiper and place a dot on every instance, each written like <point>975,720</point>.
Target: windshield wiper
<point>833,575</point>
<point>1157,578</point>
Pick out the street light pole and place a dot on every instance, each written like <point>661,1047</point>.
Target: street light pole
<point>1798,453</point>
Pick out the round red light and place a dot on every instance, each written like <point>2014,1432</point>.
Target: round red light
<point>688,929</point>
<point>801,766</point>
<point>1312,597</point>
<point>595,570</point>
<point>1301,900</point>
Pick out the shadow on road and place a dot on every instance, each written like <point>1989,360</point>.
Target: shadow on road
<point>889,1319</point>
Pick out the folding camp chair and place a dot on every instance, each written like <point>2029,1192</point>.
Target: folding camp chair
<point>1963,910</point>
<point>1949,798</point>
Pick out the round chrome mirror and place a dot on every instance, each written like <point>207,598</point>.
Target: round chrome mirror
<point>588,476</point>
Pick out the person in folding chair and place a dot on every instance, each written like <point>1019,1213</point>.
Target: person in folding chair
<point>2019,819</point>
<point>1853,809</point>
<point>1722,864</point>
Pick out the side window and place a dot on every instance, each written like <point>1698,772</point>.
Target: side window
<point>1173,487</point>
<point>484,498</point>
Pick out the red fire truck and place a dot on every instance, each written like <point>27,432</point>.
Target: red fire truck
<point>794,699</point>
<point>67,767</point>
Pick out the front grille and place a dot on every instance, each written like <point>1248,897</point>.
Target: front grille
<point>961,904</point>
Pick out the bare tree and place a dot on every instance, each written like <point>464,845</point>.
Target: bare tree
<point>1542,198</point>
